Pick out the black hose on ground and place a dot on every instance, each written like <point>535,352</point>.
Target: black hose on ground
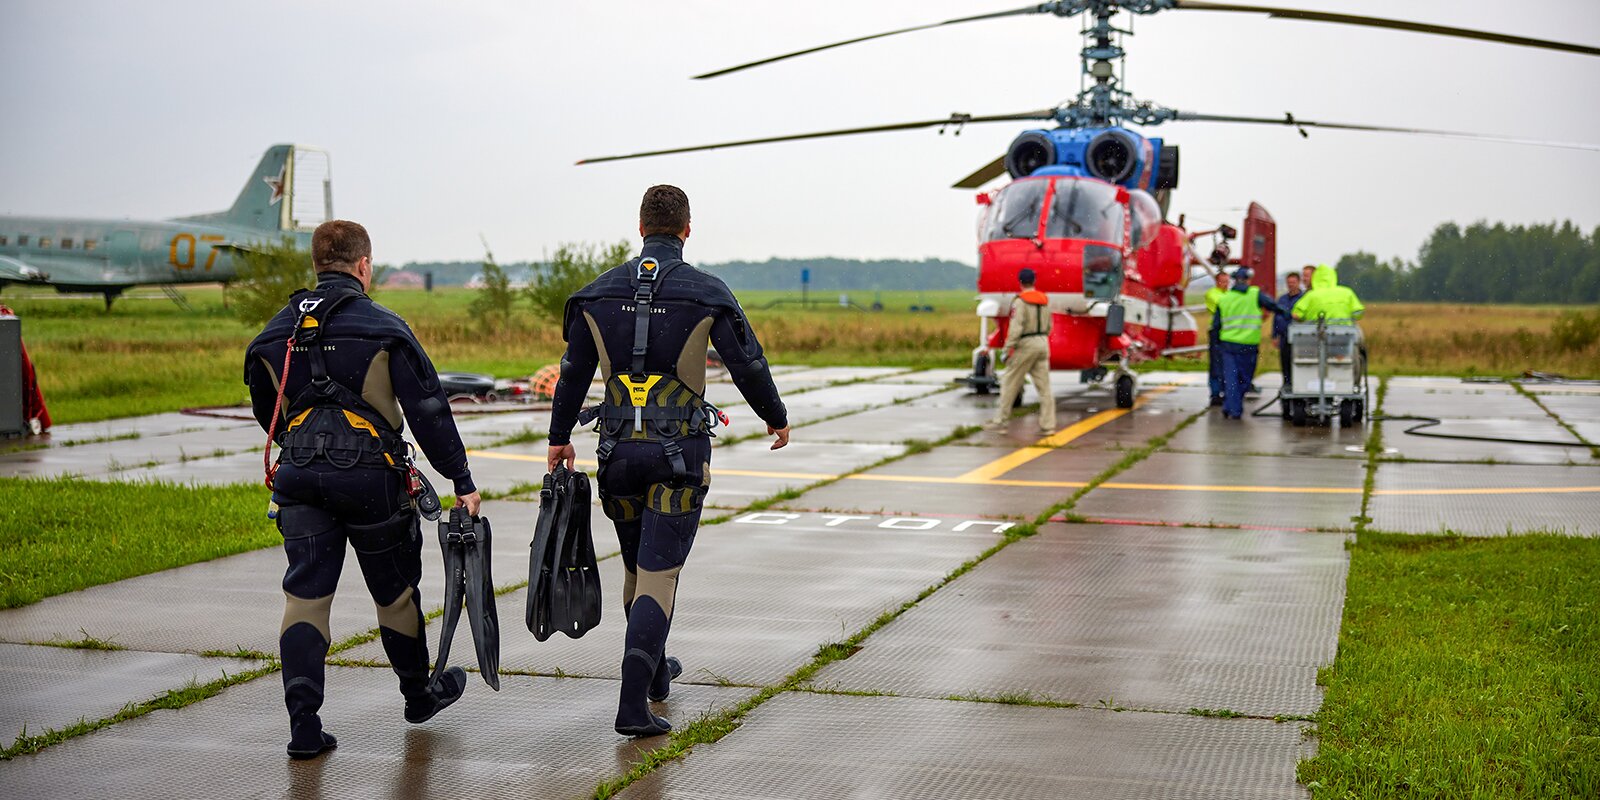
<point>1429,422</point>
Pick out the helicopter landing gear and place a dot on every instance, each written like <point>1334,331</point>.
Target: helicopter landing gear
<point>1125,390</point>
<point>982,380</point>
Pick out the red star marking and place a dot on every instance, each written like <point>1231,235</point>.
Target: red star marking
<point>277,185</point>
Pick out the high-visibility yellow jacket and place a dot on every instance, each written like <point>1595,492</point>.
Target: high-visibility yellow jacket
<point>1328,299</point>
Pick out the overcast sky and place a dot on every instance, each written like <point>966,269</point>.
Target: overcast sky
<point>449,120</point>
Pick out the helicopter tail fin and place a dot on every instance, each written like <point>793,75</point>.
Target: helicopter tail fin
<point>291,189</point>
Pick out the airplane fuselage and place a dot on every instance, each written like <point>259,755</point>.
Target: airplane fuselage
<point>98,255</point>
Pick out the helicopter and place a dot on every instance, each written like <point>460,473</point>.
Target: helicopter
<point>1087,205</point>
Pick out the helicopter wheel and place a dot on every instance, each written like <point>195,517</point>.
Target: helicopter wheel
<point>1124,391</point>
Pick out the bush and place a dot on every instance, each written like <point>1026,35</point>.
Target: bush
<point>1575,330</point>
<point>266,277</point>
<point>571,268</point>
<point>493,305</point>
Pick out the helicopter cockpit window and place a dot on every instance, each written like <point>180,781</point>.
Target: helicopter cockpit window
<point>1015,213</point>
<point>1085,209</point>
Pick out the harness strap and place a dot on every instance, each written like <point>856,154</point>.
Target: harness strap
<point>277,407</point>
<point>647,272</point>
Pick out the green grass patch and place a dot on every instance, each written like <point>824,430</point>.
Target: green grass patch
<point>1466,668</point>
<point>27,743</point>
<point>88,642</point>
<point>62,534</point>
<point>1215,713</point>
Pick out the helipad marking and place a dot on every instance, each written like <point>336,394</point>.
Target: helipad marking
<point>1011,461</point>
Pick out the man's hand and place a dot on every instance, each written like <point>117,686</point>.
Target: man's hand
<point>782,434</point>
<point>560,453</point>
<point>470,502</point>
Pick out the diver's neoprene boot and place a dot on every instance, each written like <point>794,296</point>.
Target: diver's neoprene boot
<point>309,741</point>
<point>442,692</point>
<point>634,717</point>
<point>661,684</point>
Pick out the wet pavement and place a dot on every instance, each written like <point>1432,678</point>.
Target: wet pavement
<point>1183,564</point>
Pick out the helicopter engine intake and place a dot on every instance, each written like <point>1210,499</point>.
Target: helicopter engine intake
<point>1114,155</point>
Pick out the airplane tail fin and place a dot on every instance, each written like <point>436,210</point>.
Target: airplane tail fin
<point>290,190</point>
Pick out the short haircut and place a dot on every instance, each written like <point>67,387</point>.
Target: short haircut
<point>665,209</point>
<point>1294,275</point>
<point>338,244</point>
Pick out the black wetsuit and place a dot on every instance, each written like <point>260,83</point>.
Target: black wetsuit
<point>656,508</point>
<point>369,351</point>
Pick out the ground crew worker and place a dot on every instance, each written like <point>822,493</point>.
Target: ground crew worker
<point>1292,293</point>
<point>646,325</point>
<point>1213,353</point>
<point>1240,310</point>
<point>356,377</point>
<point>1327,299</point>
<point>1027,354</point>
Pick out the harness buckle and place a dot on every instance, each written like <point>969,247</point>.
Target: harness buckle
<point>603,452</point>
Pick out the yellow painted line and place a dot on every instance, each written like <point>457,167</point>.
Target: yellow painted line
<point>1184,487</point>
<point>1011,461</point>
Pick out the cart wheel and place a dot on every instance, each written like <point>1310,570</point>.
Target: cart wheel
<point>1283,407</point>
<point>1347,413</point>
<point>1125,391</point>
<point>1297,413</point>
<point>1361,409</point>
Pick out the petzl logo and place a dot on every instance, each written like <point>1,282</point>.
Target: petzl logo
<point>307,306</point>
<point>648,265</point>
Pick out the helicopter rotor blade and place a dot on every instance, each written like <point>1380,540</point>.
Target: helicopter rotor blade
<point>985,173</point>
<point>1291,120</point>
<point>1395,24</point>
<point>1033,9</point>
<point>955,120</point>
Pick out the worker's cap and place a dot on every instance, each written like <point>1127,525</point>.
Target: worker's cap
<point>1241,274</point>
<point>1026,276</point>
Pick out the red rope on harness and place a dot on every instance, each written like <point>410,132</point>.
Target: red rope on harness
<point>277,405</point>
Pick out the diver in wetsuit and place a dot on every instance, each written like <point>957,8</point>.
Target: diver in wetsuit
<point>646,325</point>
<point>356,377</point>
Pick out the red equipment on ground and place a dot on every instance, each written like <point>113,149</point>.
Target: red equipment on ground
<point>33,407</point>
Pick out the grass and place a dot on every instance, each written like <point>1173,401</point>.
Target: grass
<point>147,355</point>
<point>60,535</point>
<point>88,642</point>
<point>194,692</point>
<point>1466,668</point>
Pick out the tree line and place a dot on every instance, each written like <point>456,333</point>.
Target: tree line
<point>784,274</point>
<point>1485,263</point>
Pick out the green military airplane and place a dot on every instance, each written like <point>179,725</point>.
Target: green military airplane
<point>106,257</point>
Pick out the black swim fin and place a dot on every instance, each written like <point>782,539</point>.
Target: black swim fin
<point>468,581</point>
<point>537,611</point>
<point>481,613</point>
<point>563,578</point>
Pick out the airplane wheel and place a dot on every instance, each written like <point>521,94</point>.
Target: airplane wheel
<point>1125,391</point>
<point>1297,413</point>
<point>1347,413</point>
